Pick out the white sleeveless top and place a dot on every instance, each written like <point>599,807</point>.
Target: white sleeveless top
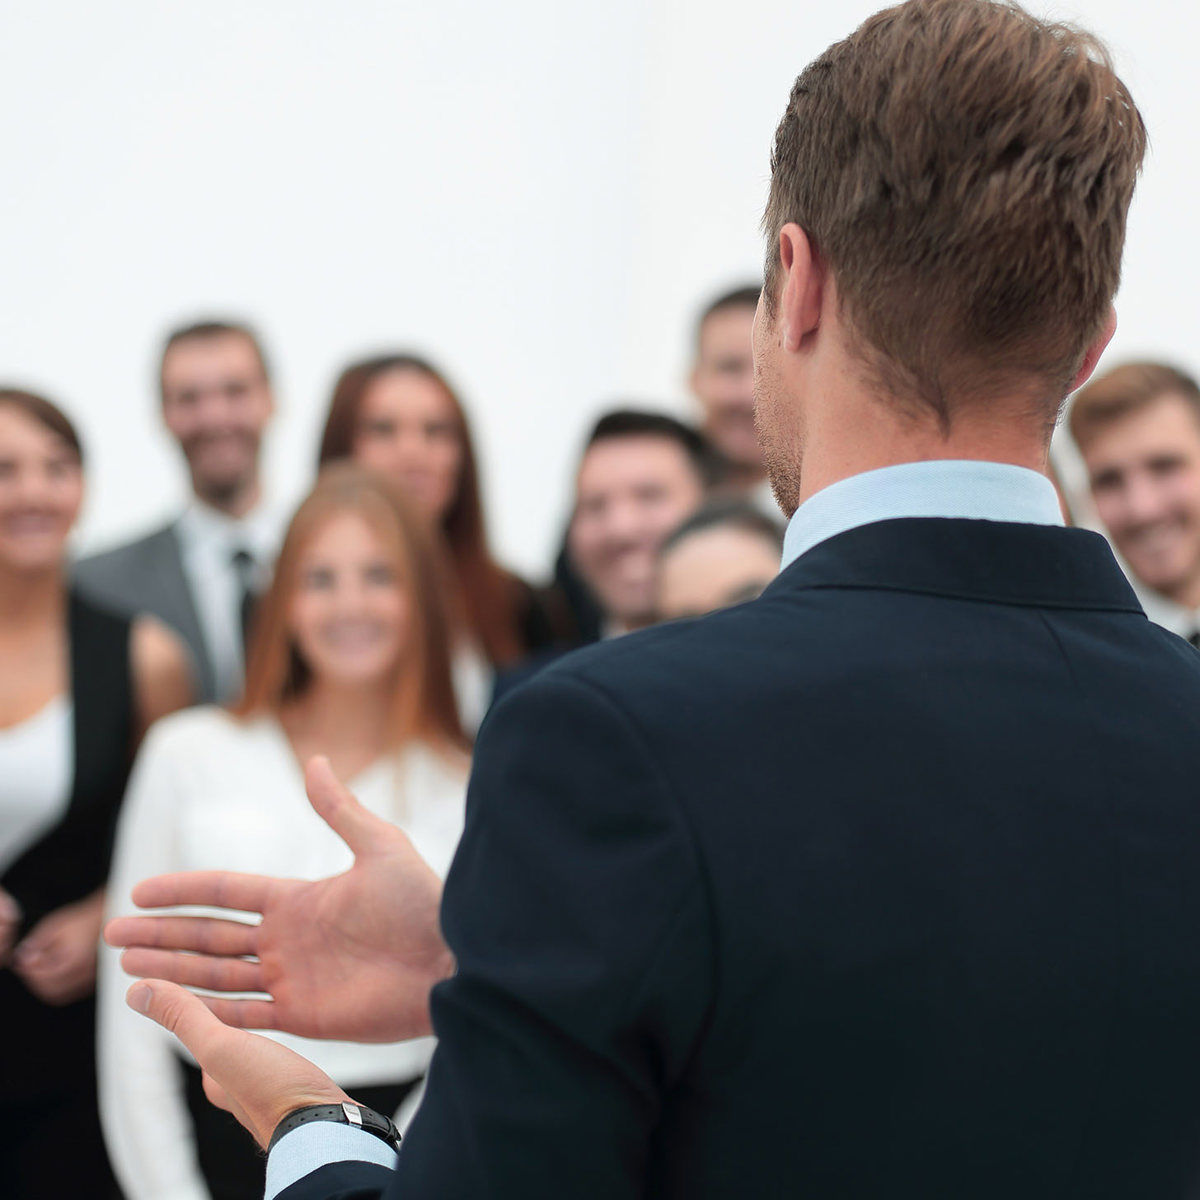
<point>37,772</point>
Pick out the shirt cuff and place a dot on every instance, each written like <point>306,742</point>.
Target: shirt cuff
<point>308,1147</point>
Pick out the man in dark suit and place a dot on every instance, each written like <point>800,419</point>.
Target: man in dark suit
<point>199,574</point>
<point>883,884</point>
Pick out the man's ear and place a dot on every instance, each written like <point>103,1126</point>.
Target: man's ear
<point>802,292</point>
<point>1092,355</point>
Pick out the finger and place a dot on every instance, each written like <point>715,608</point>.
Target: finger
<point>214,889</point>
<point>246,1014</point>
<point>336,805</point>
<point>200,935</point>
<point>195,970</point>
<point>39,946</point>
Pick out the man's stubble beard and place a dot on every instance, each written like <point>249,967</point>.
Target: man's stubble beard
<point>226,491</point>
<point>781,439</point>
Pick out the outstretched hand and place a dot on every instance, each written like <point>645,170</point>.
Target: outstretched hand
<point>257,1080</point>
<point>352,957</point>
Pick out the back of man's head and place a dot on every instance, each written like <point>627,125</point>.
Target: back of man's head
<point>965,171</point>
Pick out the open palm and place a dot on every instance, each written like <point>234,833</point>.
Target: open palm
<point>352,957</point>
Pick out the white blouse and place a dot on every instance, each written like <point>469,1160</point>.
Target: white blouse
<point>38,769</point>
<point>210,791</point>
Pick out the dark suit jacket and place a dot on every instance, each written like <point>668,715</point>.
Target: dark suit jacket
<point>147,576</point>
<point>886,884</point>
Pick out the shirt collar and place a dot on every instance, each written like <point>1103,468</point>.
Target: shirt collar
<point>204,529</point>
<point>980,491</point>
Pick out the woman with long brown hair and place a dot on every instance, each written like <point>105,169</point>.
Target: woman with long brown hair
<point>350,659</point>
<point>396,414</point>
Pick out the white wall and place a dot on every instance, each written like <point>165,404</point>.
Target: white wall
<point>538,194</point>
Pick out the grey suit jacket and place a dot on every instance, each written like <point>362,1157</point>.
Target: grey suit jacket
<point>147,576</point>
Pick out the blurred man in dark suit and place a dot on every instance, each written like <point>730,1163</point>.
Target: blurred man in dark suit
<point>881,885</point>
<point>200,573</point>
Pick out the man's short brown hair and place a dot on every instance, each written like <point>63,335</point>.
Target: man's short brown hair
<point>965,171</point>
<point>1127,389</point>
<point>207,331</point>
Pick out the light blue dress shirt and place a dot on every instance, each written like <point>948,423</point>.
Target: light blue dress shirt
<point>981,491</point>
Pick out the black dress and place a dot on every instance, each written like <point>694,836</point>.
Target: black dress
<point>50,1139</point>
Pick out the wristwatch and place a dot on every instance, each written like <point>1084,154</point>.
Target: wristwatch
<point>347,1113</point>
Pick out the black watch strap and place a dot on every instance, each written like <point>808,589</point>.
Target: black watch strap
<point>349,1113</point>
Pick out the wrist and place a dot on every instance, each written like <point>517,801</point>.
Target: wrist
<point>345,1112</point>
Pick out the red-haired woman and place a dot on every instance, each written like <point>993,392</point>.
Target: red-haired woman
<point>78,687</point>
<point>350,659</point>
<point>397,415</point>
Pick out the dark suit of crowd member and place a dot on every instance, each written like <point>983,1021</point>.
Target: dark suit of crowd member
<point>882,884</point>
<point>199,574</point>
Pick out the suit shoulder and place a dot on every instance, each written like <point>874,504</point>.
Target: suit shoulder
<point>111,563</point>
<point>667,655</point>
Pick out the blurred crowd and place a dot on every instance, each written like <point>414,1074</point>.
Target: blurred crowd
<point>158,701</point>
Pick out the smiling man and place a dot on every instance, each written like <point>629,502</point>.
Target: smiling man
<point>1138,429</point>
<point>641,474</point>
<point>199,573</point>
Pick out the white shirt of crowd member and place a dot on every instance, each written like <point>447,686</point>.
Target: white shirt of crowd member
<point>632,490</point>
<point>216,404</point>
<point>1138,429</point>
<point>722,380</point>
<point>716,565</point>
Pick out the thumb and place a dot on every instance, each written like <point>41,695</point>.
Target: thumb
<point>336,805</point>
<point>180,1012</point>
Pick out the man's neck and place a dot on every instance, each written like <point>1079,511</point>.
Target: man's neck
<point>876,437</point>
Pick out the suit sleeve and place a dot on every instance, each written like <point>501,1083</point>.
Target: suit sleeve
<point>579,921</point>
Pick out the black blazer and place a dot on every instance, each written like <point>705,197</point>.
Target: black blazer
<point>42,1045</point>
<point>885,884</point>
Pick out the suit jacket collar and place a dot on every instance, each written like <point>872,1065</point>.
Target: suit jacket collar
<point>994,561</point>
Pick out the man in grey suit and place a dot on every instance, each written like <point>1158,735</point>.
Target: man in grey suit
<point>199,573</point>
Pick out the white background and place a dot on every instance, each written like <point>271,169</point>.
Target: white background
<point>539,194</point>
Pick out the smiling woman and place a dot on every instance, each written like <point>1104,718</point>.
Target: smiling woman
<point>397,415</point>
<point>350,659</point>
<point>78,686</point>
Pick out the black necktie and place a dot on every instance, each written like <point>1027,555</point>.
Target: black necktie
<point>244,566</point>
